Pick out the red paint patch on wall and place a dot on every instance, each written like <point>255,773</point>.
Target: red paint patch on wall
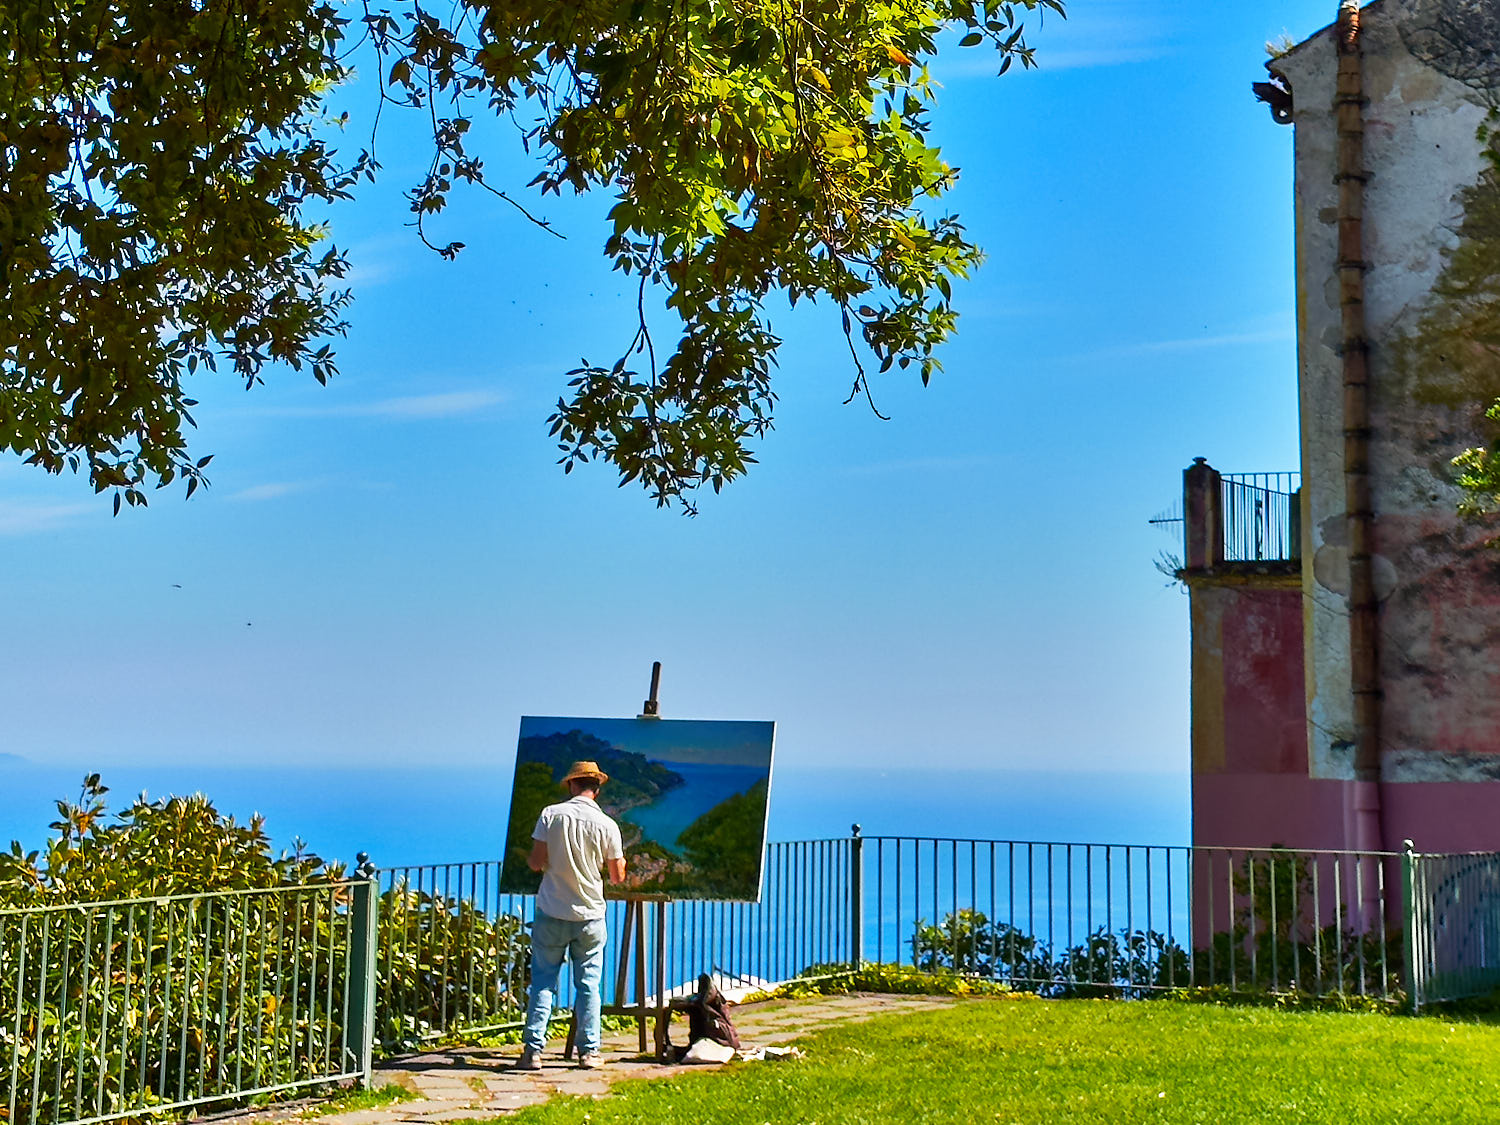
<point>1264,694</point>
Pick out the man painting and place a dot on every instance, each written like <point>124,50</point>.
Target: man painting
<point>572,844</point>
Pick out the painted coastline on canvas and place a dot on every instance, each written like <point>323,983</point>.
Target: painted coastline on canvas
<point>690,796</point>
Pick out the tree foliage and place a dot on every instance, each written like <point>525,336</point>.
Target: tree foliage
<point>170,846</point>
<point>156,161</point>
<point>1458,337</point>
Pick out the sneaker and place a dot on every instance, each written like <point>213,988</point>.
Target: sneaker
<point>530,1059</point>
<point>590,1060</point>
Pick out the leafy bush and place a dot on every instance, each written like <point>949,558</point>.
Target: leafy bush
<point>177,845</point>
<point>443,965</point>
<point>1105,964</point>
<point>908,980</point>
<point>1272,944</point>
<point>225,971</point>
<point>968,942</point>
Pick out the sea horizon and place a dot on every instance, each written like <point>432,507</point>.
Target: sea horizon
<point>456,812</point>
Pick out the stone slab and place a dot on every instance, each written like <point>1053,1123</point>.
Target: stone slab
<point>510,1102</point>
<point>454,1113</point>
<point>481,1082</point>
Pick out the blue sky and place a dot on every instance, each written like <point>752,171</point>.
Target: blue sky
<point>687,741</point>
<point>392,569</point>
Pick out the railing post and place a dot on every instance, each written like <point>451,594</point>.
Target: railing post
<point>856,898</point>
<point>1409,928</point>
<point>1202,516</point>
<point>364,928</point>
<point>1294,526</point>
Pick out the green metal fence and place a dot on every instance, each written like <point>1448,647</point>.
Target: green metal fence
<point>1453,903</point>
<point>455,952</point>
<point>112,1009</point>
<point>121,1009</point>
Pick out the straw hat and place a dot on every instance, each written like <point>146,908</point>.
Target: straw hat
<point>586,769</point>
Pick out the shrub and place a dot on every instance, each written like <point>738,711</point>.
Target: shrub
<point>830,980</point>
<point>442,965</point>
<point>1127,963</point>
<point>1272,944</point>
<point>176,845</point>
<point>225,972</point>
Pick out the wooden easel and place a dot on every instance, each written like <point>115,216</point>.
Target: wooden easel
<point>633,946</point>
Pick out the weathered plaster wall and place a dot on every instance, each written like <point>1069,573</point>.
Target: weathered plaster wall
<point>1440,615</point>
<point>1246,709</point>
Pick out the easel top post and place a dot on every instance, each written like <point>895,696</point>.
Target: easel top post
<point>651,708</point>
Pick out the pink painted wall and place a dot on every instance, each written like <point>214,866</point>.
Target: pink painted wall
<point>1250,783</point>
<point>1443,816</point>
<point>1258,810</point>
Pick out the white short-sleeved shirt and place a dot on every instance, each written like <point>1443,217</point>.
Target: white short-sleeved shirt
<point>580,838</point>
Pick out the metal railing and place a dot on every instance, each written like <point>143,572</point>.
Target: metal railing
<point>1057,918</point>
<point>1098,919</point>
<point>121,1009</point>
<point>454,952</point>
<point>114,1009</point>
<point>1454,903</point>
<point>1259,515</point>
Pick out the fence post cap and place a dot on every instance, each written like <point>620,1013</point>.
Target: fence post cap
<point>1409,846</point>
<point>854,829</point>
<point>365,869</point>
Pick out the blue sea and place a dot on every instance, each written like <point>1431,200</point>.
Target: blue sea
<point>704,786</point>
<point>453,813</point>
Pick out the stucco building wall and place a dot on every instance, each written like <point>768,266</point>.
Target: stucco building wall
<point>1440,587</point>
<point>1431,248</point>
<point>1249,739</point>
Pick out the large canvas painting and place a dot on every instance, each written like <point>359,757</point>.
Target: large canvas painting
<point>689,796</point>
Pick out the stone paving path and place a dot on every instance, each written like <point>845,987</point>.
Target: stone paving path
<point>478,1082</point>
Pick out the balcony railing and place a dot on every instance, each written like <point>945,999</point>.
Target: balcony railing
<point>1259,514</point>
<point>1236,517</point>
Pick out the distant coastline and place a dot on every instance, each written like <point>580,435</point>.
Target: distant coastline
<point>341,810</point>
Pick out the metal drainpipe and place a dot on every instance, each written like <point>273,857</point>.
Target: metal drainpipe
<point>1364,621</point>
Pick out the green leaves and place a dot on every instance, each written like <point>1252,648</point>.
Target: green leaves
<point>178,845</point>
<point>156,162</point>
<point>155,165</point>
<point>750,156</point>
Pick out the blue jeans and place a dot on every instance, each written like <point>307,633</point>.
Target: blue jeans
<point>582,943</point>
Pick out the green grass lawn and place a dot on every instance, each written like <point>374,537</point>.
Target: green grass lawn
<point>1033,1061</point>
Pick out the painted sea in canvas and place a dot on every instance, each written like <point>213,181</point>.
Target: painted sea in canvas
<point>690,796</point>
